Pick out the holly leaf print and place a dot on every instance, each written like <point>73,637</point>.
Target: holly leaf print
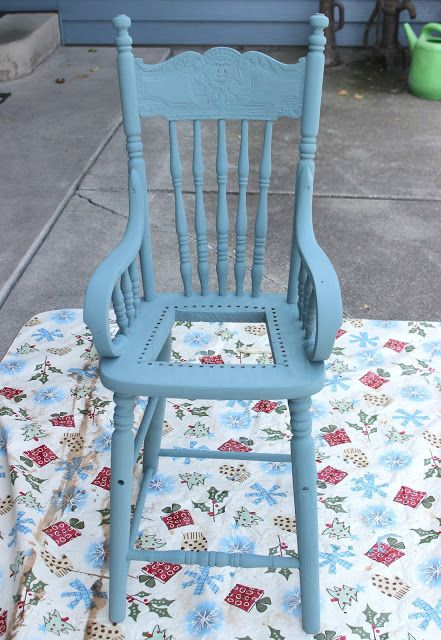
<point>370,615</point>
<point>200,411</point>
<point>359,631</point>
<point>159,606</point>
<point>427,502</point>
<point>201,505</point>
<point>212,492</point>
<point>105,516</point>
<point>5,411</point>
<point>149,581</point>
<point>407,369</point>
<point>285,572</point>
<point>275,634</point>
<point>426,535</point>
<point>29,578</point>
<point>134,611</point>
<point>381,620</point>
<point>335,504</point>
<point>263,604</point>
<point>34,482</point>
<point>274,434</point>
<point>38,586</point>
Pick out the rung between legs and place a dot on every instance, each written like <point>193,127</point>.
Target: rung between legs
<point>215,559</point>
<point>139,507</point>
<point>225,455</point>
<point>145,423</point>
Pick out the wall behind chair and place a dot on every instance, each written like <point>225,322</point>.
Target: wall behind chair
<point>191,22</point>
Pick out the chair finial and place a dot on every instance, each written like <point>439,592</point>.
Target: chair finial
<point>123,40</point>
<point>317,40</point>
<point>122,22</point>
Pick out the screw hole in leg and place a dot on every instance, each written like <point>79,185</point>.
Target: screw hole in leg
<point>121,482</point>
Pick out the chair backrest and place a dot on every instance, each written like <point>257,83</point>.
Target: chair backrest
<point>221,85</point>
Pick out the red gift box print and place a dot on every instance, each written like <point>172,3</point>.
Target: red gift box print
<point>176,517</point>
<point>9,393</point>
<point>371,379</point>
<point>410,497</point>
<point>61,532</point>
<point>243,597</point>
<point>3,624</point>
<point>384,553</point>
<point>233,445</point>
<point>265,406</point>
<point>163,571</point>
<point>103,479</point>
<point>212,360</point>
<point>60,420</point>
<point>395,345</point>
<point>339,436</point>
<point>331,475</point>
<point>42,455</point>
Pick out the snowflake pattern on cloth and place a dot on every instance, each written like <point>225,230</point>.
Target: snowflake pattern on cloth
<point>378,444</point>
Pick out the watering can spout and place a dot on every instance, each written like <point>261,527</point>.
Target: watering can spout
<point>411,37</point>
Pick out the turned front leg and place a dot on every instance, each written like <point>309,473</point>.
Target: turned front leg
<point>122,461</point>
<point>305,498</point>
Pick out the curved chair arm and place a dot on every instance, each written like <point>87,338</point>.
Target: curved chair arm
<point>102,283</point>
<point>325,313</point>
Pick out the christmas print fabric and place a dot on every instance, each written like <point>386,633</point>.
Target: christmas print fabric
<point>378,443</point>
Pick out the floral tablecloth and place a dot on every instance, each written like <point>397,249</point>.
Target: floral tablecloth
<point>378,443</point>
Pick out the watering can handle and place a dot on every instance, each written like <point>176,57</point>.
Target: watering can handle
<point>429,28</point>
<point>341,15</point>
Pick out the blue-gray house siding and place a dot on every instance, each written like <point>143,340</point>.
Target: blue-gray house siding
<point>252,22</point>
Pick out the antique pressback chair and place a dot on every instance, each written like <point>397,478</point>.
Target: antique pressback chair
<point>221,84</point>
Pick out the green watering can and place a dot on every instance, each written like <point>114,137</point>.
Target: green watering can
<point>425,67</point>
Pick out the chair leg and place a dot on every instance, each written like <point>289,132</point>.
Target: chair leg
<point>305,497</point>
<point>152,441</point>
<point>122,461</point>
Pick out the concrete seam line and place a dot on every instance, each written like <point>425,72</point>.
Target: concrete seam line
<point>100,206</point>
<point>234,192</point>
<point>38,241</point>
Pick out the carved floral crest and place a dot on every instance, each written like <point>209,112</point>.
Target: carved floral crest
<point>221,83</point>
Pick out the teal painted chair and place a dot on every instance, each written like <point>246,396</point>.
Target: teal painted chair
<point>221,84</point>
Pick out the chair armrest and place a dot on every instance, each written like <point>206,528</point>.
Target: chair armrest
<point>107,275</point>
<point>323,308</point>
